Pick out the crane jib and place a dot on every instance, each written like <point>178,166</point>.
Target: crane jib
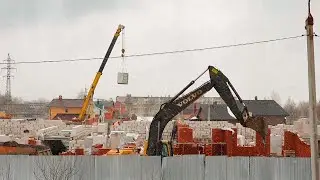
<point>99,73</point>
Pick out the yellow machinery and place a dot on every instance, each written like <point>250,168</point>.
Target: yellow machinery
<point>166,148</point>
<point>4,115</point>
<point>88,98</point>
<point>124,151</point>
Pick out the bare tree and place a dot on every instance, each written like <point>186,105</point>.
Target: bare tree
<point>303,109</point>
<point>276,97</point>
<point>291,108</point>
<point>81,94</point>
<point>57,168</point>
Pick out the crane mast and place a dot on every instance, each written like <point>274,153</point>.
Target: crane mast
<point>89,96</point>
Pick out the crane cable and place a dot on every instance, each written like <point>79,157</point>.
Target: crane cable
<point>123,65</point>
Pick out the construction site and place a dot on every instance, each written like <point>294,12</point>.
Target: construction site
<point>187,136</point>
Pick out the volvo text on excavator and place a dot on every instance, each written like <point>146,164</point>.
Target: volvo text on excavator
<point>155,144</point>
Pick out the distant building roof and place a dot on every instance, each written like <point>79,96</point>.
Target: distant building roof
<point>66,103</point>
<point>105,103</point>
<point>264,107</point>
<point>257,107</point>
<point>217,112</point>
<point>161,99</point>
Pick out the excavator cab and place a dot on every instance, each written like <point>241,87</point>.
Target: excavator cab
<point>165,146</point>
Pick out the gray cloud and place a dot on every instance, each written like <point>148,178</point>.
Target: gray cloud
<point>33,12</point>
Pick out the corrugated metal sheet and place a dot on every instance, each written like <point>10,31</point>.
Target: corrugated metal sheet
<point>280,168</point>
<point>238,168</point>
<point>216,168</point>
<point>149,168</point>
<point>128,168</point>
<point>188,167</point>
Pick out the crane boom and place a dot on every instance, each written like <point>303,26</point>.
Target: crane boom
<point>98,75</point>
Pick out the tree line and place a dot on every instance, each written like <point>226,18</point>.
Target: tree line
<point>298,110</point>
<point>295,109</point>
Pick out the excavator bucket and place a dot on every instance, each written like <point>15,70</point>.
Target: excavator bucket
<point>259,125</point>
<point>221,83</point>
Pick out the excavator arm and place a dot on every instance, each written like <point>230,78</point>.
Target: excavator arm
<point>177,104</point>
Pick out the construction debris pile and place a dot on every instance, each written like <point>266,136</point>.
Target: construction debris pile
<point>106,137</point>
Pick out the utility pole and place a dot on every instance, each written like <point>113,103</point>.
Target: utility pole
<point>312,96</point>
<point>209,108</point>
<point>9,62</point>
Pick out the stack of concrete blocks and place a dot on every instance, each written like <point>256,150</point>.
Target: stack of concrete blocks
<point>139,127</point>
<point>116,140</point>
<point>276,142</point>
<point>73,144</point>
<point>102,128</point>
<point>80,131</point>
<point>202,129</point>
<point>88,142</point>
<point>241,140</point>
<point>248,134</point>
<point>76,130</point>
<point>53,130</point>
<point>16,127</point>
<point>80,138</point>
<point>100,139</point>
<point>277,137</point>
<point>94,128</point>
<point>5,138</point>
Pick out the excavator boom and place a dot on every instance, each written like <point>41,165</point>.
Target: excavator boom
<point>177,104</point>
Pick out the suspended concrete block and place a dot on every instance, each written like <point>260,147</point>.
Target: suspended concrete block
<point>123,78</point>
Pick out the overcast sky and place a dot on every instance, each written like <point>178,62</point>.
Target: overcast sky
<point>37,30</point>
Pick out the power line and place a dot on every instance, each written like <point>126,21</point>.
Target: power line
<point>165,52</point>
